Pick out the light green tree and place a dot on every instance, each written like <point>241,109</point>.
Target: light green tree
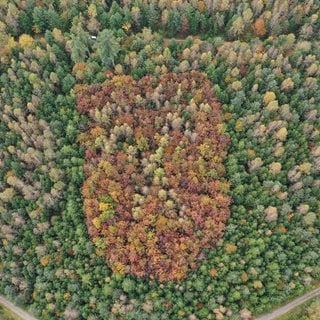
<point>107,47</point>
<point>79,44</point>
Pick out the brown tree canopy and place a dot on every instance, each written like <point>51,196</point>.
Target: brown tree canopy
<point>153,191</point>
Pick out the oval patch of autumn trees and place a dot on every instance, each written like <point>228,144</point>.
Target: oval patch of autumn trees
<point>155,194</point>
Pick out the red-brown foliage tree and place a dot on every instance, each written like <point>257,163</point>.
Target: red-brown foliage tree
<point>152,193</point>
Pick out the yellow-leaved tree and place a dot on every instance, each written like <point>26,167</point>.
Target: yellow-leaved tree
<point>26,41</point>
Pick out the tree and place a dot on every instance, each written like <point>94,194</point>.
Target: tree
<point>79,45</point>
<point>107,47</point>
<point>259,27</point>
<point>26,41</point>
<point>257,6</point>
<point>190,14</point>
<point>174,22</point>
<point>40,19</point>
<point>153,16</point>
<point>25,22</point>
<point>237,28</point>
<point>12,17</point>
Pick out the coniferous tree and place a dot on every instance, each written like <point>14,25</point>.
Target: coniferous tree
<point>107,47</point>
<point>79,45</point>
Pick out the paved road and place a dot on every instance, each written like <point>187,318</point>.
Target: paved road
<point>21,313</point>
<point>288,307</point>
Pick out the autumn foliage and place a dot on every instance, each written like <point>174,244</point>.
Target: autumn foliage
<point>259,27</point>
<point>153,194</point>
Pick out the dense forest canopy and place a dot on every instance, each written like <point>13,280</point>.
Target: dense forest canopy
<point>158,159</point>
<point>154,154</point>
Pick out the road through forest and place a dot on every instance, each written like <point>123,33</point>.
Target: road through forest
<point>289,306</point>
<point>18,311</point>
<point>269,316</point>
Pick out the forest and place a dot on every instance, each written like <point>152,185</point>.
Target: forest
<point>159,159</point>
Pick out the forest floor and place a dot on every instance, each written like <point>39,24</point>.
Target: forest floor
<point>289,306</point>
<point>18,311</point>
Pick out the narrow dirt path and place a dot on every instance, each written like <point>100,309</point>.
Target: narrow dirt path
<point>18,311</point>
<point>288,307</point>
